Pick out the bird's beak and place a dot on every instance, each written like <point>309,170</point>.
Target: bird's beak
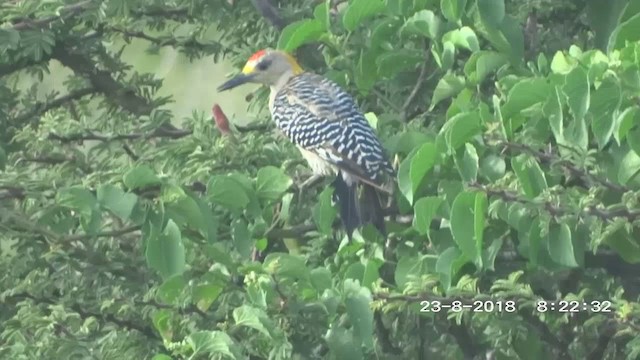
<point>236,81</point>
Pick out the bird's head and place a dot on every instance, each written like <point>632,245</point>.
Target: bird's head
<point>264,67</point>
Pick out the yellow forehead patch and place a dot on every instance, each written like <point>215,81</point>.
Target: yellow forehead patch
<point>250,66</point>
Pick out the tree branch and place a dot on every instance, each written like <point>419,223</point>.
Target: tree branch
<point>268,11</point>
<point>557,210</point>
<point>125,324</point>
<point>63,13</point>
<point>573,170</point>
<point>102,82</point>
<point>41,108</point>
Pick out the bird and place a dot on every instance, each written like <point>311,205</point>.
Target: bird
<point>331,132</point>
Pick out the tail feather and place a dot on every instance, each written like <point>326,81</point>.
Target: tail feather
<point>355,210</point>
<point>346,195</point>
<point>371,208</point>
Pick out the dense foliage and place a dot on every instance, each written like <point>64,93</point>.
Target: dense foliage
<point>127,233</point>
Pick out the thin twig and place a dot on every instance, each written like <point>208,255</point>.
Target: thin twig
<point>158,133</point>
<point>416,88</point>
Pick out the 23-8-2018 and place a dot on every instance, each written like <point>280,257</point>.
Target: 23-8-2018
<point>510,306</point>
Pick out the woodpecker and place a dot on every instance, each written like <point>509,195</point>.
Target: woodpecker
<point>332,134</point>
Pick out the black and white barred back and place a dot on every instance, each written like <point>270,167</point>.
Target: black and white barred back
<point>319,116</point>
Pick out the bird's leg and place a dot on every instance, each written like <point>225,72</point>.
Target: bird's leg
<point>311,181</point>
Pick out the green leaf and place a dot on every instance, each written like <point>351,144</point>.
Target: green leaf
<point>577,90</point>
<point>424,23</point>
<point>422,161</point>
<point>577,135</point>
<point>492,167</point>
<point>355,271</point>
<point>513,32</point>
<point>299,33</point>
<point>560,245</point>
<point>535,241</point>
<point>560,64</point>
<point>626,32</point>
<point>524,94</point>
<point>448,264</point>
<point>448,86</point>
<point>3,159</point>
<point>467,164</point>
<point>448,55</point>
<point>466,206</point>
<point>228,192</point>
<point>490,253</point>
<point>483,63</point>
<point>491,12</point>
<point>342,344</point>
<point>210,343</point>
<point>464,38</point>
<point>529,175</point>
<point>9,39</point>
<point>79,199</point>
<point>171,289</point>
<point>139,177</point>
<point>116,200</point>
<point>553,111</point>
<point>412,266</point>
<point>165,252</point>
<point>453,9</point>
<point>186,211</point>
<point>359,10</point>
<point>36,43</point>
<point>251,317</point>
<point>161,357</point>
<point>272,182</point>
<point>322,13</point>
<point>324,213</point>
<point>357,301</point>
<point>383,34</point>
<point>162,322</point>
<point>528,346</point>
<point>286,266</point>
<point>372,119</point>
<point>366,73</point>
<point>629,167</point>
<point>626,120</point>
<point>391,63</point>
<point>603,19</point>
<point>605,102</point>
<point>624,243</point>
<point>458,130</point>
<point>242,238</point>
<point>371,272</point>
<point>406,142</point>
<point>85,203</point>
<point>321,279</point>
<point>424,211</point>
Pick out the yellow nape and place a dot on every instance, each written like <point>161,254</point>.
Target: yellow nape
<point>297,69</point>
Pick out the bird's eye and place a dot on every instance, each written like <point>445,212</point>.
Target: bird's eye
<point>263,65</point>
